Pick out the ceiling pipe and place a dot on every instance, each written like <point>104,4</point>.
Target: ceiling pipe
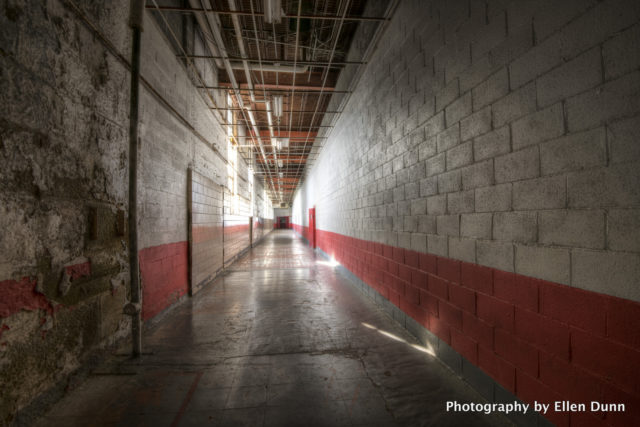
<point>210,24</point>
<point>243,52</point>
<point>245,65</point>
<point>274,68</point>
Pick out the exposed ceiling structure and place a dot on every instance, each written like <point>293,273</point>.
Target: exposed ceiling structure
<point>279,62</point>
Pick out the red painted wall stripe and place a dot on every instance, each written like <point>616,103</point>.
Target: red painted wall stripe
<point>541,340</point>
<point>164,278</point>
<point>22,295</point>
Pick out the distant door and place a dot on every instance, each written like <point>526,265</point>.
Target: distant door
<point>312,227</point>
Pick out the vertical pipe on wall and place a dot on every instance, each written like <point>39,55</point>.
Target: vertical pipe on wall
<point>136,18</point>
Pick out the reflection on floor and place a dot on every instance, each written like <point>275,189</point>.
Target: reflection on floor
<point>281,340</point>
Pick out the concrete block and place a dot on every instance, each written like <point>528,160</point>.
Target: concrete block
<point>462,249</point>
<point>616,185</point>
<point>426,110</point>
<point>520,14</point>
<point>410,224</point>
<point>476,225</point>
<point>537,127</point>
<point>520,40</point>
<point>545,263</point>
<point>492,144</point>
<point>419,206</point>
<point>402,177</point>
<point>411,190</point>
<point>492,89</point>
<point>620,54</point>
<point>437,245</point>
<point>458,109</point>
<point>437,205</point>
<point>540,193</point>
<point>479,70</point>
<point>624,137</point>
<point>410,157</point>
<point>448,225</point>
<point>462,201</point>
<point>404,208</point>
<point>535,62</point>
<point>434,125</point>
<point>449,181</point>
<point>479,174</point>
<point>460,156</point>
<point>618,98</point>
<point>623,230</point>
<point>517,104</point>
<point>495,254</point>
<point>612,273</point>
<point>447,95</point>
<point>404,239</point>
<point>417,171</point>
<point>574,152</point>
<point>429,186</point>
<point>419,242</point>
<point>436,164</point>
<point>398,193</point>
<point>493,199</point>
<point>515,226</point>
<point>427,148</point>
<point>551,17</point>
<point>519,165</point>
<point>571,78</point>
<point>576,228</point>
<point>449,138</point>
<point>476,124</point>
<point>492,34</point>
<point>398,163</point>
<point>427,224</point>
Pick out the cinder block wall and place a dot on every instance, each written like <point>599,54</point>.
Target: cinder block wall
<point>485,178</point>
<point>64,99</point>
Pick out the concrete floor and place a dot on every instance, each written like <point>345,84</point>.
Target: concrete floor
<point>281,340</point>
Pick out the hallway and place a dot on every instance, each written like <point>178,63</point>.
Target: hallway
<point>282,339</point>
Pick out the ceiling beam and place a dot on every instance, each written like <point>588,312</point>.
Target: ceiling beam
<point>275,61</point>
<point>315,91</point>
<point>249,13</point>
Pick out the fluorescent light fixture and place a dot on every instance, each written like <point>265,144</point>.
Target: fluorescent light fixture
<point>284,142</point>
<point>277,105</point>
<point>281,174</point>
<point>268,104</point>
<point>273,11</point>
<point>251,119</point>
<point>280,163</point>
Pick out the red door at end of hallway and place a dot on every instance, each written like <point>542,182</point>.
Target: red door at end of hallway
<point>312,227</point>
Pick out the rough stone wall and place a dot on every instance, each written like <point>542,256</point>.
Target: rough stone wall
<point>64,99</point>
<point>484,180</point>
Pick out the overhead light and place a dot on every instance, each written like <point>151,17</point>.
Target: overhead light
<point>280,163</point>
<point>251,119</point>
<point>273,12</point>
<point>284,142</point>
<point>277,105</point>
<point>278,143</point>
<point>281,174</point>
